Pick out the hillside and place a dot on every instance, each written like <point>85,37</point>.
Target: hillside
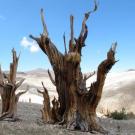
<point>118,91</point>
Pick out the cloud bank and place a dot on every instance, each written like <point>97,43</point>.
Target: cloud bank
<point>31,45</point>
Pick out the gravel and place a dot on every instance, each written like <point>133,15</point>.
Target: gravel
<point>30,124</point>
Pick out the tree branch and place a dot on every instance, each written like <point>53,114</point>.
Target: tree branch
<point>41,92</point>
<point>13,67</point>
<point>45,32</point>
<point>71,42</point>
<point>64,38</point>
<point>22,92</point>
<point>46,45</point>
<point>105,66</point>
<point>34,38</point>
<point>72,28</point>
<point>45,90</point>
<point>51,78</point>
<point>19,83</point>
<point>6,76</point>
<point>86,77</point>
<point>84,26</point>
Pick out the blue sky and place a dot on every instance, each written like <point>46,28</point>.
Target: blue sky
<point>114,21</point>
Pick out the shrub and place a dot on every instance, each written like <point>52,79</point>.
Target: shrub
<point>121,115</point>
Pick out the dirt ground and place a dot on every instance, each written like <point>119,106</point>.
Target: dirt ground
<point>30,124</point>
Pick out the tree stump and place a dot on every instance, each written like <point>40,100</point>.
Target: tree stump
<point>8,87</point>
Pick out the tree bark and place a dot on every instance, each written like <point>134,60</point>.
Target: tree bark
<point>77,104</point>
<point>8,86</point>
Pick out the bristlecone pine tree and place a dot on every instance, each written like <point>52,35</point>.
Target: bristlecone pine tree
<point>8,87</point>
<point>76,104</point>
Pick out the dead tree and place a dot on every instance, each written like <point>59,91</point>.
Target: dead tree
<point>8,87</point>
<point>49,114</point>
<point>77,104</point>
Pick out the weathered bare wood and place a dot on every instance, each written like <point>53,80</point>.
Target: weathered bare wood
<point>19,83</point>
<point>64,38</point>
<point>45,31</point>
<point>22,92</point>
<point>76,105</point>
<point>13,67</point>
<point>57,61</point>
<point>9,86</point>
<point>72,28</point>
<point>86,77</point>
<point>46,111</point>
<point>39,91</point>
<point>51,78</point>
<point>71,46</point>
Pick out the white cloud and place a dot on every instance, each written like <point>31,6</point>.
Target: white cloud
<point>34,48</point>
<point>31,45</point>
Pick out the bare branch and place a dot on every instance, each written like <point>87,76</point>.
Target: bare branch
<point>64,38</point>
<point>96,6</point>
<point>46,91</point>
<point>34,38</point>
<point>86,16</point>
<point>20,93</point>
<point>71,42</point>
<point>72,28</point>
<point>6,76</point>
<point>86,77</point>
<point>113,48</point>
<point>103,68</point>
<point>19,55</point>
<point>13,67</point>
<point>41,92</point>
<point>50,50</point>
<point>19,83</point>
<point>51,78</point>
<point>45,32</point>
<point>84,24</point>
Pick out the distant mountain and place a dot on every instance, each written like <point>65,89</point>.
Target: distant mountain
<point>38,72</point>
<point>131,70</point>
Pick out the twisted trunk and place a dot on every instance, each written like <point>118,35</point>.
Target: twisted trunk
<point>8,86</point>
<point>77,104</point>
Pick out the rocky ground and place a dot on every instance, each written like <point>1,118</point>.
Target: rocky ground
<point>30,124</point>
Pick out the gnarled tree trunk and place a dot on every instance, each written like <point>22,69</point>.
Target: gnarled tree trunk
<point>8,87</point>
<point>49,115</point>
<point>77,104</point>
